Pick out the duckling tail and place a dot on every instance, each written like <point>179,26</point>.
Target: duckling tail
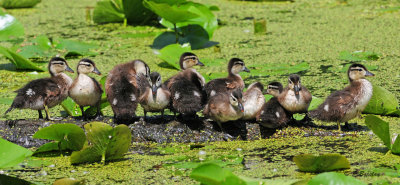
<point>8,110</point>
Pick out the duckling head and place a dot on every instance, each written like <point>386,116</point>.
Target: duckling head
<point>58,65</point>
<point>274,89</point>
<point>235,99</point>
<point>256,85</point>
<point>86,66</point>
<point>155,82</point>
<point>358,71</point>
<point>236,65</point>
<point>294,83</point>
<point>189,60</point>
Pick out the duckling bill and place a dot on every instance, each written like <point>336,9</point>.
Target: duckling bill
<point>85,90</point>
<point>45,93</point>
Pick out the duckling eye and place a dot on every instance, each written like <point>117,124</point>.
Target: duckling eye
<point>359,69</point>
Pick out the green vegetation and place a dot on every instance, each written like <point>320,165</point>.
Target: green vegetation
<point>322,163</point>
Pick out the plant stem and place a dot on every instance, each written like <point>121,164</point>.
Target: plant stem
<point>125,22</point>
<point>176,34</point>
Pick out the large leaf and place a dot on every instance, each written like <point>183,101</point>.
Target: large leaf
<point>315,102</point>
<point>358,56</point>
<point>18,3</point>
<point>136,13</point>
<point>12,154</point>
<point>71,107</point>
<point>75,47</point>
<point>19,61</point>
<point>10,27</point>
<point>255,181</point>
<point>382,102</point>
<point>396,145</point>
<point>4,179</point>
<point>172,11</point>
<point>172,53</point>
<point>380,128</point>
<point>66,136</point>
<point>41,46</point>
<point>108,11</point>
<point>334,178</point>
<point>105,143</point>
<point>212,174</point>
<point>322,163</point>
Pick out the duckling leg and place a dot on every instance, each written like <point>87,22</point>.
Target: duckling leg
<point>162,114</point>
<point>339,128</point>
<point>98,113</point>
<point>46,109</point>
<point>83,113</point>
<point>145,114</point>
<point>220,126</point>
<point>40,114</point>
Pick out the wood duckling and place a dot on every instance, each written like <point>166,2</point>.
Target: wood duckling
<point>186,87</point>
<point>223,107</point>
<point>45,93</point>
<point>230,83</point>
<point>85,90</point>
<point>123,91</point>
<point>295,98</point>
<point>253,100</point>
<point>346,104</point>
<point>156,96</point>
<point>272,114</point>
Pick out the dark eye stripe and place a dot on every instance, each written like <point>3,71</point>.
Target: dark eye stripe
<point>60,63</point>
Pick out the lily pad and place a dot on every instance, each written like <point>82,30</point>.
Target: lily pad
<point>322,163</point>
<point>66,136</point>
<point>71,107</point>
<point>74,48</point>
<point>8,4</point>
<point>19,61</point>
<point>171,10</point>
<point>41,46</point>
<point>105,143</point>
<point>212,174</point>
<point>12,154</point>
<point>69,181</point>
<point>9,26</point>
<point>172,53</point>
<point>315,102</point>
<point>108,11</point>
<point>382,102</point>
<point>358,56</point>
<point>6,101</point>
<point>334,178</point>
<point>4,179</point>
<point>380,128</point>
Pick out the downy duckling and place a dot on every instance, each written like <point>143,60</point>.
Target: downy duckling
<point>253,100</point>
<point>45,93</point>
<point>230,83</point>
<point>295,98</point>
<point>123,91</point>
<point>272,114</point>
<point>156,97</point>
<point>346,104</point>
<point>223,107</point>
<point>186,87</point>
<point>85,90</point>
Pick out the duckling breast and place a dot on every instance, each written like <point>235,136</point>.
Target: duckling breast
<point>83,91</point>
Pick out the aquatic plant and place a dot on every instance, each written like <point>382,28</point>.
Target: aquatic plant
<point>381,129</point>
<point>9,4</point>
<point>66,137</point>
<point>104,143</point>
<point>12,154</point>
<point>334,178</point>
<point>382,102</point>
<point>358,56</point>
<point>11,28</point>
<point>321,163</point>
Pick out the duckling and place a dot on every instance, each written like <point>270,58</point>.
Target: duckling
<point>223,107</point>
<point>253,100</point>
<point>156,96</point>
<point>86,91</point>
<point>272,114</point>
<point>295,98</point>
<point>123,91</point>
<point>186,87</point>
<point>45,93</point>
<point>346,104</point>
<point>233,81</point>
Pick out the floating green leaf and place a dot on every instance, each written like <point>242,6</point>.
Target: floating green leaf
<point>8,4</point>
<point>322,163</point>
<point>4,179</point>
<point>396,145</point>
<point>380,128</point>
<point>41,46</point>
<point>12,154</point>
<point>71,107</point>
<point>171,10</point>
<point>260,26</point>
<point>75,47</point>
<point>172,53</point>
<point>9,26</point>
<point>382,102</point>
<point>19,61</point>
<point>108,11</point>
<point>66,136</point>
<point>6,101</point>
<point>334,178</point>
<point>358,56</point>
<point>212,174</point>
<point>315,102</point>
<point>105,143</point>
<point>136,13</point>
<point>69,181</point>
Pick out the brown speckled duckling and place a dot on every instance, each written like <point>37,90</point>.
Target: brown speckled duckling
<point>45,93</point>
<point>224,107</point>
<point>156,96</point>
<point>186,87</point>
<point>85,90</point>
<point>123,91</point>
<point>230,83</point>
<point>346,104</point>
<point>253,100</point>
<point>272,114</point>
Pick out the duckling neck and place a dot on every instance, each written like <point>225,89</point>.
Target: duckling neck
<point>65,78</point>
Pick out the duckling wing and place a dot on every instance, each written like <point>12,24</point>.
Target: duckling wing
<point>272,114</point>
<point>97,85</point>
<point>335,106</point>
<point>186,97</point>
<point>215,86</point>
